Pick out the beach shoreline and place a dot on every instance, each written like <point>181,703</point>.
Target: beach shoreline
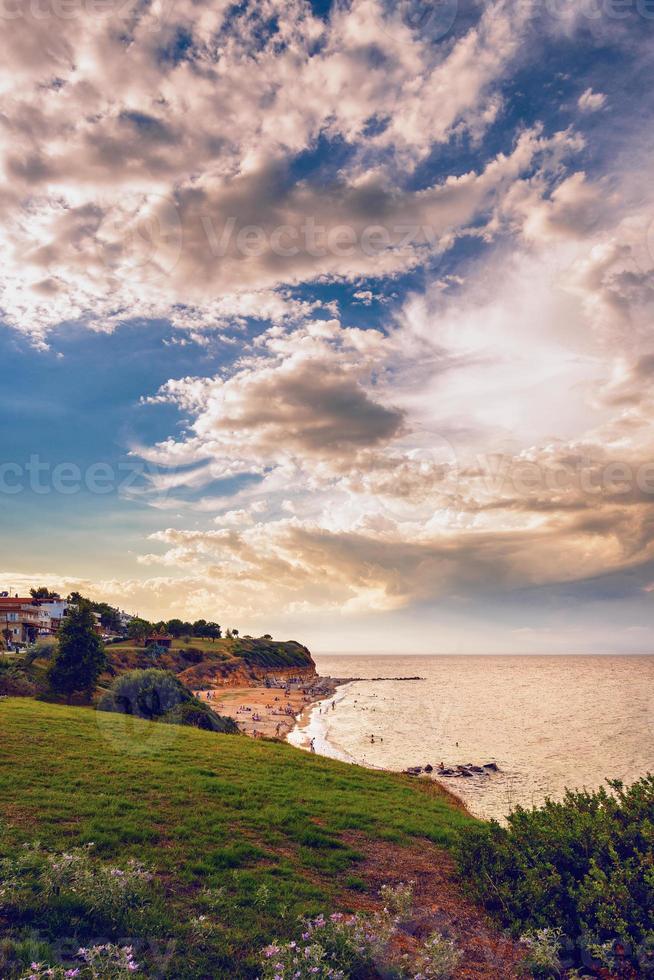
<point>271,710</point>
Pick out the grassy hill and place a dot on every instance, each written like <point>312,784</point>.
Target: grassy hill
<point>248,834</point>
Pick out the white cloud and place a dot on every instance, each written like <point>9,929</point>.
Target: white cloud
<point>140,141</point>
<point>590,101</point>
<point>464,450</point>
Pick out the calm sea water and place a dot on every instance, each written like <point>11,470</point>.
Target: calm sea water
<point>548,722</point>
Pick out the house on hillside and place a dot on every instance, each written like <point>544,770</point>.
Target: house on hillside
<point>20,621</point>
<point>52,612</point>
<point>24,618</point>
<point>159,640</point>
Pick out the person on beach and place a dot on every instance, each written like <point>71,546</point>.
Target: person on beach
<point>312,745</point>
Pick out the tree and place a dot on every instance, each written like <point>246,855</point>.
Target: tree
<point>109,617</point>
<point>139,629</point>
<point>175,628</point>
<point>81,658</point>
<point>212,631</point>
<point>209,630</point>
<point>43,593</point>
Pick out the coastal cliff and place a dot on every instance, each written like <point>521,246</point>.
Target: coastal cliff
<point>228,662</point>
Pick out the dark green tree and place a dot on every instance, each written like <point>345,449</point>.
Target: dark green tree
<point>81,658</point>
<point>175,628</point>
<point>139,629</point>
<point>109,617</point>
<point>199,627</point>
<point>43,593</point>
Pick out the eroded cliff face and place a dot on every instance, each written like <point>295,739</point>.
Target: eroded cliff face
<point>240,675</point>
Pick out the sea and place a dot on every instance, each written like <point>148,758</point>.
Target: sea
<point>548,722</point>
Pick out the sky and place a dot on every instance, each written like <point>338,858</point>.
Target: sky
<point>333,319</point>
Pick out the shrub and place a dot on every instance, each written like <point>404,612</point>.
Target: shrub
<point>44,648</point>
<point>543,949</point>
<point>583,866</point>
<point>438,960</point>
<point>107,962</point>
<point>14,681</point>
<point>300,962</point>
<point>340,946</point>
<point>158,695</point>
<point>146,694</point>
<point>112,893</point>
<point>33,880</point>
<point>200,715</point>
<point>192,655</point>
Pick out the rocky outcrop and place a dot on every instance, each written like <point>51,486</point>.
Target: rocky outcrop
<point>238,674</point>
<point>463,772</point>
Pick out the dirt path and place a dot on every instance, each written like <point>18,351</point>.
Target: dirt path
<point>440,906</point>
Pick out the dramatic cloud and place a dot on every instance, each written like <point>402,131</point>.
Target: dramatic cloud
<point>408,251</point>
<point>150,149</point>
<point>414,478</point>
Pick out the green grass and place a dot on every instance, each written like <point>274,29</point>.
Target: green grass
<point>261,821</point>
<point>200,643</point>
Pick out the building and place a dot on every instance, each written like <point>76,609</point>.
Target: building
<point>159,640</point>
<point>21,621</point>
<point>52,612</point>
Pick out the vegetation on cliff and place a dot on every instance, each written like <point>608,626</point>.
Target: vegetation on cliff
<point>201,662</point>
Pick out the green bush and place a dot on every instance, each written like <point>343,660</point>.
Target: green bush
<point>146,694</point>
<point>14,681</point>
<point>584,866</point>
<point>157,695</point>
<point>199,715</point>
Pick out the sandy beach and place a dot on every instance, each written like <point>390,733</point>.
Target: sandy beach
<point>268,712</point>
